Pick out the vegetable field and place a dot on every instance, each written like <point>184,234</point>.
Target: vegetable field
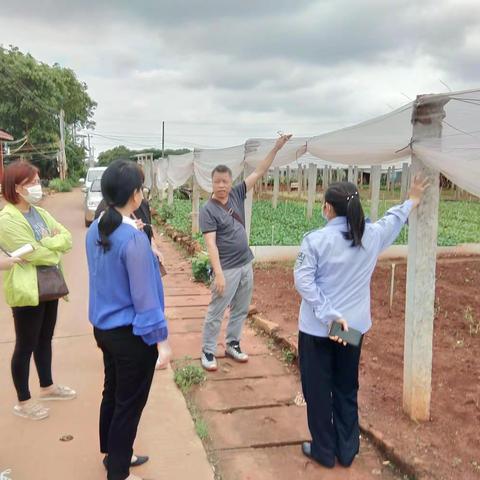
<point>459,221</point>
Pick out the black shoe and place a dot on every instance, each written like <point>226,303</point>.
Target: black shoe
<point>307,451</point>
<point>139,461</point>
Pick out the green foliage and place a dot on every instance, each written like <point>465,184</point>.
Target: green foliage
<point>201,427</point>
<point>33,93</point>
<point>201,268</point>
<point>288,356</point>
<point>116,153</point>
<point>166,211</point>
<point>61,185</point>
<point>187,374</point>
<point>121,152</point>
<point>181,218</point>
<point>458,221</point>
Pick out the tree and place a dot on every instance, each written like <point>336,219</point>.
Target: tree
<point>33,93</point>
<point>120,152</point>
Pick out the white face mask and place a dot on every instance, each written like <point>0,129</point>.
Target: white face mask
<point>34,195</point>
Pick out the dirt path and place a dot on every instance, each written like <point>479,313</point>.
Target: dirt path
<point>255,426</point>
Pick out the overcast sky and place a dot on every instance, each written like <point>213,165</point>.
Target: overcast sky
<point>220,71</point>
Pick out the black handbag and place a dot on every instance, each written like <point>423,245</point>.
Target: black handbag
<point>51,283</point>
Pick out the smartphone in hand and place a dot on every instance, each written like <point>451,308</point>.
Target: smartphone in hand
<point>352,336</point>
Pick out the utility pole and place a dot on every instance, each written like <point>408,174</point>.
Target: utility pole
<point>90,152</point>
<point>163,139</point>
<point>62,157</point>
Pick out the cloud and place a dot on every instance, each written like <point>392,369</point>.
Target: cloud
<point>219,72</point>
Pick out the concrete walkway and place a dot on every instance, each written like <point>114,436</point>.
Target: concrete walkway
<point>35,450</point>
<point>254,419</point>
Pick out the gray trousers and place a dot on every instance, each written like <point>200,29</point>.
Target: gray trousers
<point>237,294</point>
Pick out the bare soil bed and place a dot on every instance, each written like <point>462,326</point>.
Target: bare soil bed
<point>447,447</point>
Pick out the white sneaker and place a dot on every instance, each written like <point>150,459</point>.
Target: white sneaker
<point>209,362</point>
<point>234,351</point>
<point>31,410</point>
<point>59,392</point>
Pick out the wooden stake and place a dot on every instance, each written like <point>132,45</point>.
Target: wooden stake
<point>392,286</point>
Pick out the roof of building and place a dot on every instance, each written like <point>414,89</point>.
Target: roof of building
<point>5,136</point>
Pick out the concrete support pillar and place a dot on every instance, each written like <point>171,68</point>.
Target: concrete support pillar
<point>276,186</point>
<point>195,206</point>
<point>325,178</point>
<point>375,177</point>
<point>249,203</point>
<point>312,187</point>
<point>404,182</point>
<point>350,174</point>
<point>427,119</point>
<point>300,180</point>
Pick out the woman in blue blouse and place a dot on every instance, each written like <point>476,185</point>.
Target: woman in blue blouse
<point>127,312</point>
<point>332,274</point>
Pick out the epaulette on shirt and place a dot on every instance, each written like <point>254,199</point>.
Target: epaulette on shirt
<point>311,231</point>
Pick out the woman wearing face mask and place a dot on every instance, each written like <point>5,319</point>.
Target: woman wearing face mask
<point>332,274</point>
<point>127,312</point>
<point>21,223</point>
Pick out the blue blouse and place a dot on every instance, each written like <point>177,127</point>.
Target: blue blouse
<point>333,277</point>
<point>125,284</point>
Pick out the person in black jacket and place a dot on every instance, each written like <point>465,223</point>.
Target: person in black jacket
<point>142,213</point>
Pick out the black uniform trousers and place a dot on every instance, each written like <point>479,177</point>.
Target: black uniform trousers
<point>129,367</point>
<point>329,374</point>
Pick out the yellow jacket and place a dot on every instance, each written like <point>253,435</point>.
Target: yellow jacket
<point>20,283</point>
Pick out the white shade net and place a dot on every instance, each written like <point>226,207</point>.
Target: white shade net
<point>179,169</point>
<point>382,140</point>
<point>205,160</point>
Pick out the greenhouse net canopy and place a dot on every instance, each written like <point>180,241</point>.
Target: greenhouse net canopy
<point>383,140</point>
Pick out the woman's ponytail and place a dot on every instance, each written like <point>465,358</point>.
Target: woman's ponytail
<point>108,223</point>
<point>344,198</point>
<point>355,220</point>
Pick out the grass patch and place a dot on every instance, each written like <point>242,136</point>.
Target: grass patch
<point>187,374</point>
<point>288,356</point>
<point>62,185</point>
<point>201,427</point>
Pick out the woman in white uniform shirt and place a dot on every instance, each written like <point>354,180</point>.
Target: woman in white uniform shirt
<point>332,274</point>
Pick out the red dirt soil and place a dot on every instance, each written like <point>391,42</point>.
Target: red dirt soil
<point>447,447</point>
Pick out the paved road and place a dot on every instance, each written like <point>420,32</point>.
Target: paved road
<point>33,450</point>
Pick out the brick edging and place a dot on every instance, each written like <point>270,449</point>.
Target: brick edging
<point>404,463</point>
<point>186,241</point>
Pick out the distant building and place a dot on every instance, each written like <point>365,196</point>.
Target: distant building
<point>4,136</point>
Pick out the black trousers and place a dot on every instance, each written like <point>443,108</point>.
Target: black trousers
<point>34,327</point>
<point>329,374</point>
<point>129,367</point>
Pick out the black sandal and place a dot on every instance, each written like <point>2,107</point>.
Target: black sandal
<point>139,461</point>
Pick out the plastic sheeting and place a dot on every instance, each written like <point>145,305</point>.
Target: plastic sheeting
<point>383,140</point>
